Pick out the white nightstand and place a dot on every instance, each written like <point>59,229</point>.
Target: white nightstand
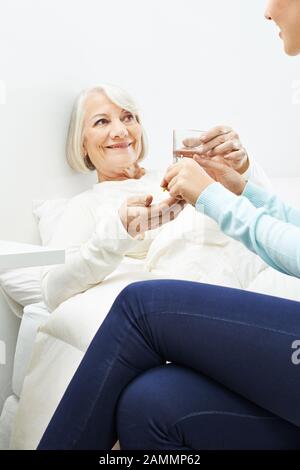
<point>17,255</point>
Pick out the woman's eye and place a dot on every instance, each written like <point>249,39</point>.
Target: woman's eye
<point>101,122</point>
<point>128,118</point>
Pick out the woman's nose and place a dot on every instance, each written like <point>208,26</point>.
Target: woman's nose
<point>267,12</point>
<point>118,129</point>
<point>267,16</point>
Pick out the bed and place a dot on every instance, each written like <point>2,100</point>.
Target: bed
<point>48,348</point>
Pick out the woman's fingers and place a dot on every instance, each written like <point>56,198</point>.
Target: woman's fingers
<point>208,163</point>
<point>152,217</point>
<point>165,207</point>
<point>148,200</point>
<point>137,214</point>
<point>214,132</point>
<point>144,200</point>
<point>171,187</point>
<point>184,152</point>
<point>228,147</point>
<point>206,136</point>
<point>217,142</point>
<point>169,203</point>
<point>170,173</point>
<point>236,156</point>
<point>165,215</point>
<point>192,141</point>
<point>219,145</point>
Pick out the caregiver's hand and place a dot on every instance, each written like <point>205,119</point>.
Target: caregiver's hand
<point>219,169</point>
<point>220,141</point>
<point>186,180</point>
<point>138,215</point>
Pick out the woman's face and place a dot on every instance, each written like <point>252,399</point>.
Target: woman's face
<point>112,137</point>
<point>286,14</point>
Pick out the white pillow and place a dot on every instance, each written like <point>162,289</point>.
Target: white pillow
<point>22,286</point>
<point>47,214</point>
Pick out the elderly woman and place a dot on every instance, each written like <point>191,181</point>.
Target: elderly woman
<point>116,220</point>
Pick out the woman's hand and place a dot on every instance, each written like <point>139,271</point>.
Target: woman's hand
<point>138,216</point>
<point>186,180</point>
<point>221,141</point>
<point>219,169</point>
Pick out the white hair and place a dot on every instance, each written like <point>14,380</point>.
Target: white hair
<point>74,148</point>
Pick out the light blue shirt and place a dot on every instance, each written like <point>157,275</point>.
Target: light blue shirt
<point>258,219</point>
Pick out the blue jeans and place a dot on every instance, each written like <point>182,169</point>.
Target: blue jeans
<point>230,383</point>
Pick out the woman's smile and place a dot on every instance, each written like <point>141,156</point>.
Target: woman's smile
<point>120,145</point>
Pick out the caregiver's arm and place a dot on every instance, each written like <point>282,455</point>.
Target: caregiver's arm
<point>276,242</point>
<point>260,197</point>
<point>253,190</point>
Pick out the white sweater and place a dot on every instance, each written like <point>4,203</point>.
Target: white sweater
<point>95,239</point>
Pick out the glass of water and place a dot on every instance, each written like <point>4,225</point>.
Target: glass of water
<point>185,143</point>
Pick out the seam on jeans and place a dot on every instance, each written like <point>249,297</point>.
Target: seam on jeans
<point>224,413</point>
<point>100,390</point>
<point>225,320</point>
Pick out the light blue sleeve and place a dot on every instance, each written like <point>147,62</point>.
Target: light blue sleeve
<point>259,197</point>
<point>276,242</point>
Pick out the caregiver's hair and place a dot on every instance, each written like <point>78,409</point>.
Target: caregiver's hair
<point>74,150</point>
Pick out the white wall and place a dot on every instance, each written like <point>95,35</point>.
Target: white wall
<point>190,63</point>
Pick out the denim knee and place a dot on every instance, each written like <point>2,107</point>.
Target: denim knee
<point>136,297</point>
<point>144,413</point>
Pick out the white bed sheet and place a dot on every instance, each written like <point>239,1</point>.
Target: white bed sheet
<point>6,420</point>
